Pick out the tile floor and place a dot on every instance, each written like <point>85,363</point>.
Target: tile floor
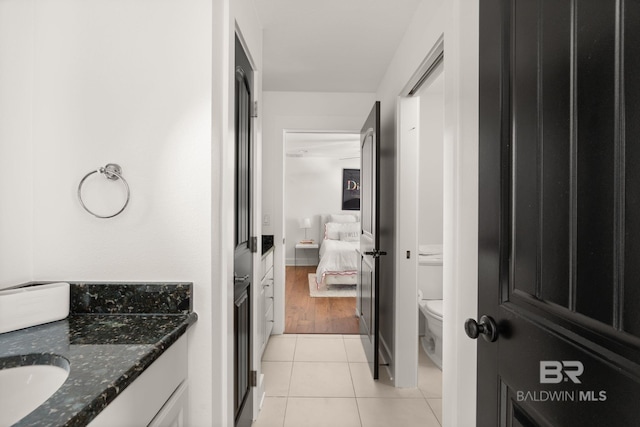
<point>324,380</point>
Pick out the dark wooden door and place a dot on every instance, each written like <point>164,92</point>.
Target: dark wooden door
<point>559,214</point>
<point>242,262</point>
<point>368,281</point>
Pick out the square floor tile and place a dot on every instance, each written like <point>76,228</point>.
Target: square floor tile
<point>272,412</point>
<point>280,348</point>
<point>366,386</point>
<point>321,412</point>
<point>436,407</point>
<point>429,377</point>
<point>320,336</point>
<point>321,379</point>
<point>351,336</point>
<point>423,359</point>
<point>430,381</point>
<point>355,351</point>
<point>320,350</point>
<point>319,392</point>
<point>277,376</point>
<point>376,412</point>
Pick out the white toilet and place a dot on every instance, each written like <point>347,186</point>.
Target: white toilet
<point>430,301</point>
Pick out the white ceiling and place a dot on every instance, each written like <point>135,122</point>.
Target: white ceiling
<point>330,45</point>
<point>322,144</point>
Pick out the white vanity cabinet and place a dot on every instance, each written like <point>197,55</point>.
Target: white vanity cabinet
<point>157,398</point>
<point>266,299</point>
<point>173,413</point>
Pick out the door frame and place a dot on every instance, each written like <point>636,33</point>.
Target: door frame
<point>405,367</point>
<point>460,211</point>
<point>460,239</point>
<point>256,227</point>
<point>280,259</point>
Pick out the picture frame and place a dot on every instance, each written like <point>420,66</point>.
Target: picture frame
<point>350,189</point>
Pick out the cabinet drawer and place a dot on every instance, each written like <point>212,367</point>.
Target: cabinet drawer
<point>266,264</point>
<point>268,315</point>
<point>268,289</point>
<point>268,310</point>
<point>269,260</point>
<point>173,413</point>
<point>268,322</point>
<point>269,329</point>
<point>140,402</point>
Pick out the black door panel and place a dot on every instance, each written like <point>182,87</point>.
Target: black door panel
<point>242,262</point>
<point>558,212</point>
<point>369,281</point>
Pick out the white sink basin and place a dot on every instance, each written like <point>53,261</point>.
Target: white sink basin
<point>24,388</point>
<point>33,305</point>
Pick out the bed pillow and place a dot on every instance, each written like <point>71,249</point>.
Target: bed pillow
<point>350,236</point>
<point>332,229</point>
<point>342,218</point>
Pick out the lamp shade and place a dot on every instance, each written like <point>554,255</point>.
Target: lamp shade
<point>305,223</point>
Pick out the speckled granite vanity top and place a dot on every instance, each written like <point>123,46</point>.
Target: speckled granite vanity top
<point>113,333</point>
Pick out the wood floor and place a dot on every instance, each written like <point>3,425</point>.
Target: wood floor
<point>306,315</point>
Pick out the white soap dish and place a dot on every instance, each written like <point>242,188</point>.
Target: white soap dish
<point>33,305</point>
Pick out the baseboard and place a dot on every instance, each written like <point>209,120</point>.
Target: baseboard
<point>302,262</point>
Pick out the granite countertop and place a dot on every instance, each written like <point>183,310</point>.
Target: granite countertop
<point>267,243</point>
<point>113,333</point>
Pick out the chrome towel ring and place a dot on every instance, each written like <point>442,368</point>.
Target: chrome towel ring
<point>113,172</point>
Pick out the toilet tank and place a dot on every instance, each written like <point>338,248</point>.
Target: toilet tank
<point>430,275</point>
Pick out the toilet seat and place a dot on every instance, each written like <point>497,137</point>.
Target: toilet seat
<point>434,307</point>
<point>431,307</point>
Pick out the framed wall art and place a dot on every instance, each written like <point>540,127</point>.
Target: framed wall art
<point>350,189</point>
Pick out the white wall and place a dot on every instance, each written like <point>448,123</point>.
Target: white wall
<point>128,83</point>
<point>16,146</point>
<point>313,186</point>
<point>430,171</point>
<point>400,336</point>
<point>298,111</point>
<point>105,91</point>
<point>86,83</point>
<point>457,21</point>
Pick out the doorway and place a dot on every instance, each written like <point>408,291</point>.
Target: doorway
<point>430,216</point>
<point>314,174</point>
<point>421,227</point>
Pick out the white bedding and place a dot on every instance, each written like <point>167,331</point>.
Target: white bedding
<point>337,257</point>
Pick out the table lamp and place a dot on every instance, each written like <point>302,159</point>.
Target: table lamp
<point>306,224</point>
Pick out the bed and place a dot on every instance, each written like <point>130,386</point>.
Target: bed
<point>339,260</point>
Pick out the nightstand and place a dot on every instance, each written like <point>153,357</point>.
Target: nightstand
<point>305,246</point>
